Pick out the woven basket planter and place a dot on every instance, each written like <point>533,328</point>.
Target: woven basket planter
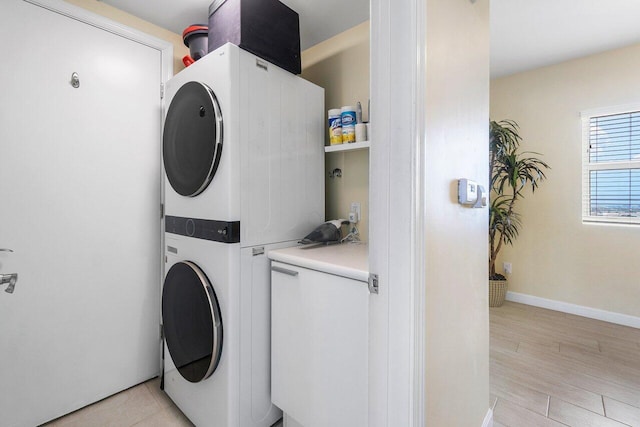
<point>497,292</point>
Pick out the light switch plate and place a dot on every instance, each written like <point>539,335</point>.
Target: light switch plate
<point>467,191</point>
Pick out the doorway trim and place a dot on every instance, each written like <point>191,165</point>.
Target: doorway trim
<point>166,57</point>
<point>397,223</point>
<point>166,72</point>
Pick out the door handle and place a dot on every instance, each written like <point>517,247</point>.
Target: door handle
<point>284,271</point>
<point>11,279</point>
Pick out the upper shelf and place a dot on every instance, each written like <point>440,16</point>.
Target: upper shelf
<point>347,147</point>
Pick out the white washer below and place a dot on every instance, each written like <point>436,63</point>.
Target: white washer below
<point>216,316</point>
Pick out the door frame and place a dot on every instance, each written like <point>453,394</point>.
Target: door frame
<point>397,199</point>
<point>397,196</point>
<point>161,68</point>
<point>166,72</point>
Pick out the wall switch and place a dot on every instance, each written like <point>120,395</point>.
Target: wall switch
<point>354,213</point>
<point>507,267</point>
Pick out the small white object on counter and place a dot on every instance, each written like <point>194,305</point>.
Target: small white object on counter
<point>361,132</point>
<point>350,260</point>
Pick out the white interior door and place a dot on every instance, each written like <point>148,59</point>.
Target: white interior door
<point>79,206</point>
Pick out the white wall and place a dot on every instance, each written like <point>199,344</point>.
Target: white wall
<point>556,256</point>
<point>457,326</point>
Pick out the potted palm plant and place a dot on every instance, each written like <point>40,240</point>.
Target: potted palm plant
<point>511,172</point>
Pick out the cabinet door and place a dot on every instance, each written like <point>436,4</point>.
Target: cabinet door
<point>319,346</point>
<point>255,330</point>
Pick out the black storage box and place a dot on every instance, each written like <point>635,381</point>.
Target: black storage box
<point>266,28</point>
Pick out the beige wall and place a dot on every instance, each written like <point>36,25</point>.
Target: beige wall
<point>456,270</point>
<point>179,49</point>
<point>341,66</point>
<point>556,256</point>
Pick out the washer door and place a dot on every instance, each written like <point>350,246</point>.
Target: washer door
<point>192,139</point>
<point>192,322</point>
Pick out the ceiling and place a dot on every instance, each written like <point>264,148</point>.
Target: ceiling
<point>319,19</point>
<point>525,34</point>
<point>529,34</point>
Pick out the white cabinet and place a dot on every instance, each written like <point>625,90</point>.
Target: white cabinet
<point>319,346</point>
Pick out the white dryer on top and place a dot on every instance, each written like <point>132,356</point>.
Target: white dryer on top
<point>243,145</point>
<point>244,162</point>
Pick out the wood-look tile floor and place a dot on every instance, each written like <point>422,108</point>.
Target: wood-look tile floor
<point>547,369</point>
<point>144,405</point>
<point>555,369</point>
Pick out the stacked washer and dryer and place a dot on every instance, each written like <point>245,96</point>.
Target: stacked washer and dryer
<point>244,166</point>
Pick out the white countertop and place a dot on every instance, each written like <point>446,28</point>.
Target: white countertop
<point>349,260</point>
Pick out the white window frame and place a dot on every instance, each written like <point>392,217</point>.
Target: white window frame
<point>587,166</point>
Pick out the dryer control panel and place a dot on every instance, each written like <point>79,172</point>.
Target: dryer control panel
<point>217,231</point>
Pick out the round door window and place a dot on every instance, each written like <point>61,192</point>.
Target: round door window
<point>192,322</point>
<point>192,139</point>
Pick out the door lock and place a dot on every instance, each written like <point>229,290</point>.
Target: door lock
<point>75,80</point>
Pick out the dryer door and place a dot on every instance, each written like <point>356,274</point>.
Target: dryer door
<point>192,322</point>
<point>192,139</point>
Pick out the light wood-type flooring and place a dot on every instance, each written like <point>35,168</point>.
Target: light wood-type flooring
<point>555,369</point>
<point>144,405</point>
<point>547,369</point>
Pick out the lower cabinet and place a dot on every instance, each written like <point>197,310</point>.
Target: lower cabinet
<point>319,347</point>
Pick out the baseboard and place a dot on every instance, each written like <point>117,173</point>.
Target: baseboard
<point>488,419</point>
<point>565,307</point>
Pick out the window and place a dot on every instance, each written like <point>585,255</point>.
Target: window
<point>611,166</point>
